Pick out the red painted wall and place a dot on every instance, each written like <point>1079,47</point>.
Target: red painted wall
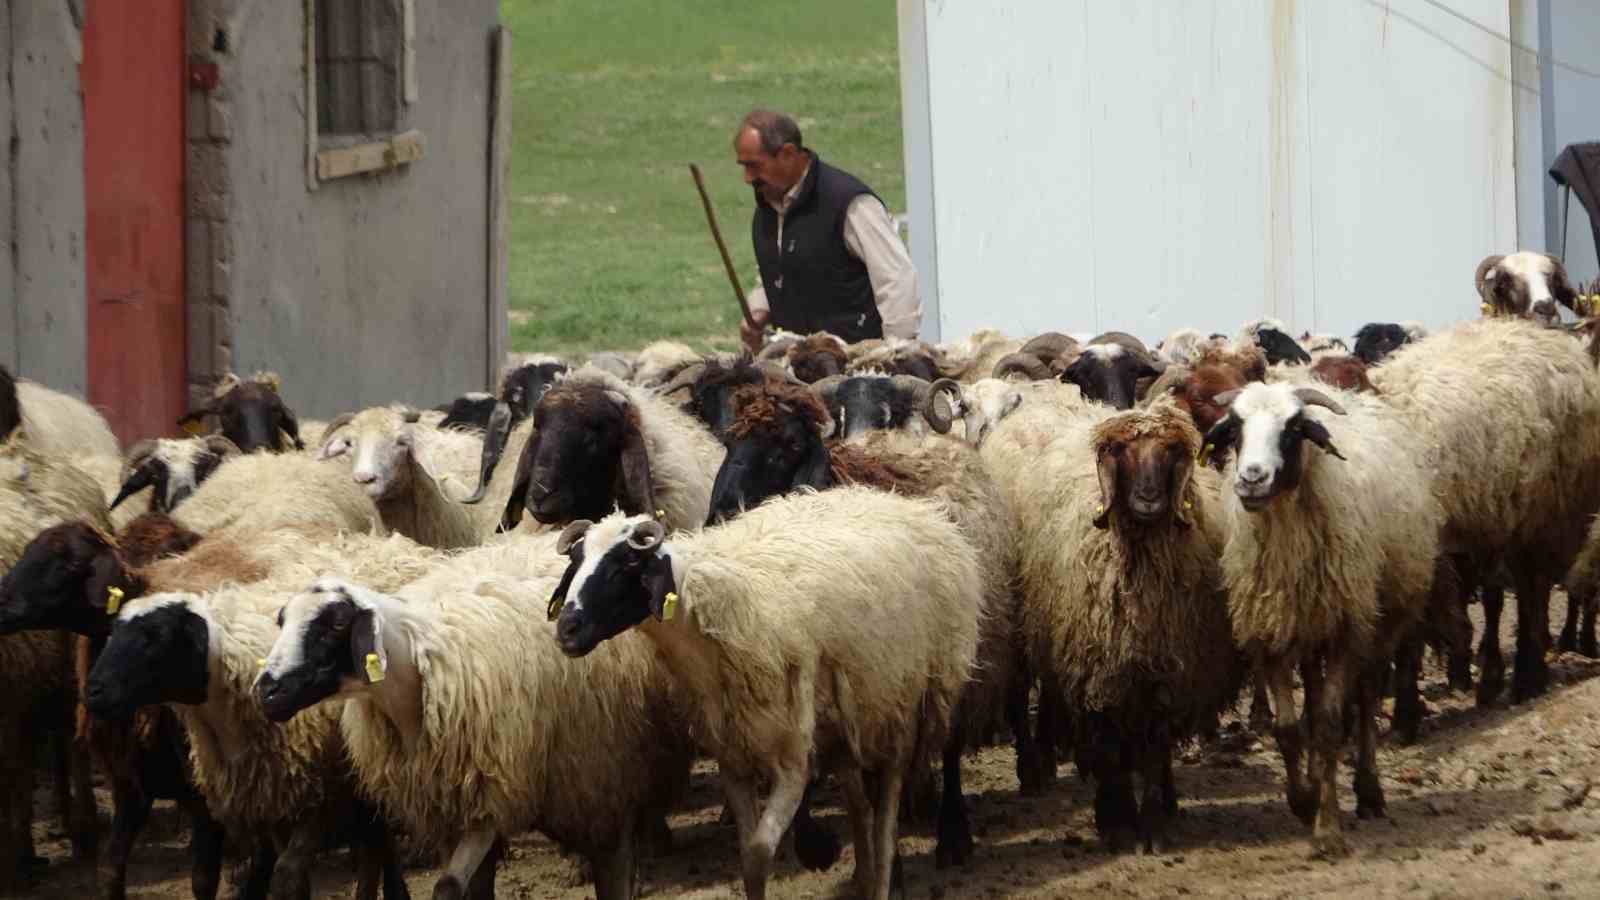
<point>132,79</point>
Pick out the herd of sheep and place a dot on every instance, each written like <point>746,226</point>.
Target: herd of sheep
<point>825,559</point>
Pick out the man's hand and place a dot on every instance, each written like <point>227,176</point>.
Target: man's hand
<point>752,336</point>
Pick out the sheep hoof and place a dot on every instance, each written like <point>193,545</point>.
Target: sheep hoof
<point>1568,642</point>
<point>1526,685</point>
<point>1120,839</point>
<point>1303,804</point>
<point>1587,646</point>
<point>1491,680</point>
<point>1329,847</point>
<point>448,888</point>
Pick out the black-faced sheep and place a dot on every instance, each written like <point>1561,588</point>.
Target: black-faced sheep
<point>520,388</point>
<point>1111,368</point>
<point>599,443</point>
<point>251,414</point>
<point>1376,340</point>
<point>862,403</point>
<point>1329,564</point>
<point>792,644</point>
<point>455,682</point>
<point>778,443</point>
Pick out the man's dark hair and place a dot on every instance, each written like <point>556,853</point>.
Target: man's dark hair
<point>774,128</point>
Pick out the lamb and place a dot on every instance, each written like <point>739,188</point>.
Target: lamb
<point>1329,565</point>
<point>251,414</point>
<point>778,443</point>
<point>599,443</point>
<point>1133,627</point>
<point>1376,340</point>
<point>1520,492</point>
<point>792,644</point>
<point>427,677</point>
<point>285,786</point>
<point>55,423</point>
<point>406,470</point>
<point>1525,285</point>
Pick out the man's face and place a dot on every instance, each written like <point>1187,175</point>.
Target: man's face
<point>770,173</point>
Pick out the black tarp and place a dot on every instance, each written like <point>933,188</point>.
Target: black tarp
<point>1578,168</point>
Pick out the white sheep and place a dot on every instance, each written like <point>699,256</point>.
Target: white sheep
<point>58,423</point>
<point>659,360</point>
<point>266,491</point>
<point>1329,564</point>
<point>465,723</point>
<point>417,475</point>
<point>1510,415</point>
<point>797,635</point>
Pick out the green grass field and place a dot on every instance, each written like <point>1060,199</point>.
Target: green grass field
<point>609,247</point>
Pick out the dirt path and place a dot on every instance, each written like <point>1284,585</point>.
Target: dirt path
<point>1488,804</point>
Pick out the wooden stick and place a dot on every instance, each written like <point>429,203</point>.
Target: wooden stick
<point>716,234</point>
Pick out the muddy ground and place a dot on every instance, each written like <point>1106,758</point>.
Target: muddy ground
<point>1489,803</point>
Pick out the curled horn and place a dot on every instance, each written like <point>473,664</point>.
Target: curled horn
<point>685,377</point>
<point>646,535</point>
<point>572,534</point>
<point>1049,345</point>
<point>1024,363</point>
<point>775,371</point>
<point>494,446</point>
<point>1482,275</point>
<point>221,446</point>
<point>778,348</point>
<point>935,400</point>
<point>224,385</point>
<point>139,452</point>
<point>827,389</point>
<point>1226,398</point>
<point>338,422</point>
<point>1312,397</point>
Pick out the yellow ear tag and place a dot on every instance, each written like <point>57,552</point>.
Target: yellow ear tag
<point>1204,454</point>
<point>194,427</point>
<point>1188,504</point>
<point>552,610</point>
<point>669,606</point>
<point>113,600</point>
<point>661,514</point>
<point>1099,508</point>
<point>374,671</point>
<point>261,664</point>
<point>1486,308</point>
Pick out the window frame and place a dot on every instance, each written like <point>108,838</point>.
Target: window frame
<point>331,157</point>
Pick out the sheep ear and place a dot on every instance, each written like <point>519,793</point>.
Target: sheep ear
<point>105,573</point>
<point>1560,288</point>
<point>195,422</point>
<point>1183,504</point>
<point>512,514</point>
<point>289,425</point>
<point>638,492</point>
<point>815,470</point>
<point>1106,469</point>
<point>1317,434</point>
<point>1219,440</point>
<point>366,647</point>
<point>660,588</point>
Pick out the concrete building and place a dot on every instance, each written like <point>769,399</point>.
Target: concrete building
<point>1148,164</point>
<point>194,187</point>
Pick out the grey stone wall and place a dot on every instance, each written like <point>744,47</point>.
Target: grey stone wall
<point>43,310</point>
<point>366,289</point>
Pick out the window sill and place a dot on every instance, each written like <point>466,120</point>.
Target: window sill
<point>376,156</point>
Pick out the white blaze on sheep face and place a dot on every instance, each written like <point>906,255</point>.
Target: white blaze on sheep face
<point>1263,412</point>
<point>618,577</point>
<point>1534,271</point>
<point>330,642</point>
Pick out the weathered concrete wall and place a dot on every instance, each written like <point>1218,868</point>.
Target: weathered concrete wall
<point>369,289</point>
<point>43,313</point>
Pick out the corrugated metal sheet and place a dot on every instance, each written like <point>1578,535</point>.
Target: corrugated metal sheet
<point>1149,165</point>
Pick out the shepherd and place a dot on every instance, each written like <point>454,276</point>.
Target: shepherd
<point>828,250</point>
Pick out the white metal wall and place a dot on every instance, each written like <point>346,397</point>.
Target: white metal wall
<point>1150,164</point>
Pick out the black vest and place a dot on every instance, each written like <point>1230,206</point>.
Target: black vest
<point>813,283</point>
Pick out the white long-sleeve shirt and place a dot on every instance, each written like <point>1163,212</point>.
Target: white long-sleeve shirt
<point>871,236</point>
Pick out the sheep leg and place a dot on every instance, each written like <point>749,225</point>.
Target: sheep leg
<point>206,838</point>
<point>1447,616</point>
<point>614,871</point>
<point>1261,718</point>
<point>1577,604</point>
<point>1049,727</point>
<point>1169,786</point>
<point>1586,636</point>
<point>1030,767</point>
<point>1407,699</point>
<point>1369,790</point>
<point>1532,674</point>
<point>1155,770</point>
<point>1104,754</point>
<point>130,811</point>
<point>84,818</point>
<point>464,861</point>
<point>292,879</point>
<point>886,817</point>
<point>861,827</point>
<point>262,864</point>
<point>759,841</point>
<point>1327,833</point>
<point>1290,733</point>
<point>1491,665</point>
<point>481,886</point>
<point>955,834</point>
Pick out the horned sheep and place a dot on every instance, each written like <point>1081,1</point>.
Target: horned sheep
<point>793,641</point>
<point>1329,564</point>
